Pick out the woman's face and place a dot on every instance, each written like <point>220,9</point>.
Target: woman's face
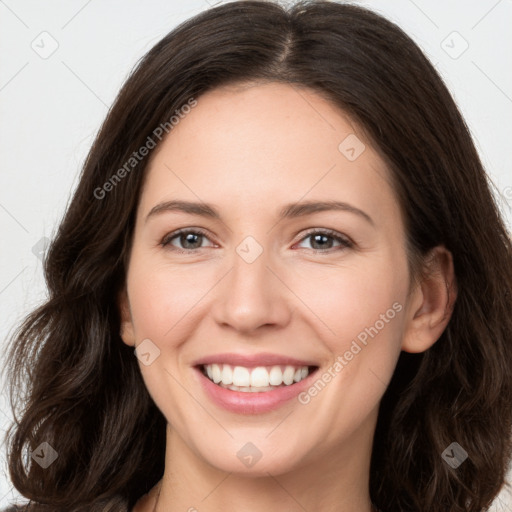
<point>268,273</point>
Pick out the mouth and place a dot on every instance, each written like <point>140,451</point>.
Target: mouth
<point>256,379</point>
<point>253,383</point>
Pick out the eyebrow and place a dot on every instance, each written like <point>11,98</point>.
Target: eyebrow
<point>289,211</point>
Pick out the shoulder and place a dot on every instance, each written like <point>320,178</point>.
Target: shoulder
<point>116,503</point>
<point>111,506</point>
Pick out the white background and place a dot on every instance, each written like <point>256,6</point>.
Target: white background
<point>51,108</point>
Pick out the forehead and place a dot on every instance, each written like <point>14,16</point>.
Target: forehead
<point>262,144</point>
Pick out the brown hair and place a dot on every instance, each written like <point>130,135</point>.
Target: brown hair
<point>79,388</point>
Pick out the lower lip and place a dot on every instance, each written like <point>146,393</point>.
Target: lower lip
<point>252,403</point>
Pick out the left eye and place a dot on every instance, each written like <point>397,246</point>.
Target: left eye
<point>324,240</point>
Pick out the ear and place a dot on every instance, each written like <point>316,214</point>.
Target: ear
<point>127,331</point>
<point>431,302</point>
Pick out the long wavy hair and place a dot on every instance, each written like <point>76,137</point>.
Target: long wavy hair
<point>76,386</point>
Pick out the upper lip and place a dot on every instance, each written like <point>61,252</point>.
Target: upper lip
<point>253,360</point>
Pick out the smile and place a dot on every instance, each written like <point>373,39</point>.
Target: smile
<point>253,383</point>
<point>257,379</point>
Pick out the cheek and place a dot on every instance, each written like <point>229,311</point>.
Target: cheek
<point>162,301</point>
<point>365,312</point>
<point>161,297</point>
<point>350,300</point>
<point>359,313</point>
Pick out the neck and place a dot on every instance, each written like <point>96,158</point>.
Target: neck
<point>329,482</point>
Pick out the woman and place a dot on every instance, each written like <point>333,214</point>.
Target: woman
<point>340,336</point>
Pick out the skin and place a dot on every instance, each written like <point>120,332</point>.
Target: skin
<point>249,150</point>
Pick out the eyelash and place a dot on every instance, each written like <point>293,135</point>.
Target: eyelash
<point>345,243</point>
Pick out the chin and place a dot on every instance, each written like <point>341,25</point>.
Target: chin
<point>246,459</point>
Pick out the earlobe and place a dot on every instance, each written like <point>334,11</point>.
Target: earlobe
<point>432,302</point>
<point>126,330</point>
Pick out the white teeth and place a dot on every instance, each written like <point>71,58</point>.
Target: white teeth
<point>276,376</point>
<point>227,374</point>
<point>248,389</point>
<point>288,374</point>
<point>241,376</point>
<point>216,373</point>
<point>260,378</point>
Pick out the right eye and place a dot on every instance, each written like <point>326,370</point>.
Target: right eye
<point>190,239</point>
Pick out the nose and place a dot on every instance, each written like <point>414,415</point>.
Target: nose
<point>253,295</point>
